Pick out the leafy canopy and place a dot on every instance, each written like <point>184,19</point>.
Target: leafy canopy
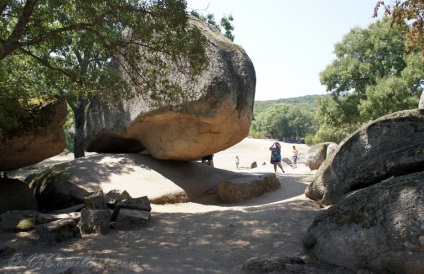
<point>75,38</point>
<point>224,23</point>
<point>285,118</point>
<point>374,74</point>
<point>408,13</point>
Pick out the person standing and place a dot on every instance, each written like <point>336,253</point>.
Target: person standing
<point>237,162</point>
<point>208,160</point>
<point>276,156</point>
<point>294,157</point>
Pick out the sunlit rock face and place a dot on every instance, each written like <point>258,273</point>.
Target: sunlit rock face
<point>389,146</point>
<point>217,114</point>
<point>33,139</point>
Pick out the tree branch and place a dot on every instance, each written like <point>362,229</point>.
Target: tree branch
<point>12,42</point>
<point>3,6</point>
<point>47,64</point>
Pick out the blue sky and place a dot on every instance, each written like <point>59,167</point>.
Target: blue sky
<point>289,41</point>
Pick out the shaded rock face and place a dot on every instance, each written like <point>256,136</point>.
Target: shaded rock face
<point>16,195</point>
<point>54,190</point>
<point>217,115</point>
<point>380,228</point>
<point>318,153</point>
<point>389,146</point>
<point>67,184</point>
<point>37,138</point>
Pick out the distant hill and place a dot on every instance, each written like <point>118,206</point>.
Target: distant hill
<point>305,102</point>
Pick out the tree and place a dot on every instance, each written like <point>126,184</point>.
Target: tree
<point>74,48</point>
<point>408,13</point>
<point>224,23</point>
<point>374,74</point>
<point>284,121</point>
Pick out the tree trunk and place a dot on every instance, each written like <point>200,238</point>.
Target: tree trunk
<point>79,123</point>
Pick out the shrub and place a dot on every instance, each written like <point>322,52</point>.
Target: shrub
<point>309,140</point>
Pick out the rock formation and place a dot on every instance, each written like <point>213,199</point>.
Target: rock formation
<point>216,115</point>
<point>318,153</point>
<point>33,139</point>
<point>16,195</point>
<point>66,184</point>
<point>380,228</point>
<point>389,146</point>
<point>238,190</point>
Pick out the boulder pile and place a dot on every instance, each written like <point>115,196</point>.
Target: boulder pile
<point>98,214</point>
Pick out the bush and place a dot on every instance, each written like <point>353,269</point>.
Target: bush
<point>309,140</point>
<point>257,135</point>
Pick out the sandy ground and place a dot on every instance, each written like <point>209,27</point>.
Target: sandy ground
<point>203,236</point>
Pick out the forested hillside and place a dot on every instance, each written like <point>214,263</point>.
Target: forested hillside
<point>285,119</point>
<point>302,102</point>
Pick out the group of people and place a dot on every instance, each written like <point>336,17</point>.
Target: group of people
<point>275,157</point>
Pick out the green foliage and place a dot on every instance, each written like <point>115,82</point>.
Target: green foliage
<point>224,23</point>
<point>308,101</point>
<point>228,27</point>
<point>285,118</point>
<point>67,128</point>
<point>331,134</point>
<point>257,134</point>
<point>309,139</point>
<point>71,45</point>
<point>104,49</point>
<point>373,75</point>
<point>364,56</point>
<point>407,13</point>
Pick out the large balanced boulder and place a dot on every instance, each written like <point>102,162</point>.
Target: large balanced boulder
<point>389,146</point>
<point>380,228</point>
<point>32,139</point>
<point>216,114</point>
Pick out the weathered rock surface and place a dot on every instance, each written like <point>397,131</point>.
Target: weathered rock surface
<point>16,195</point>
<point>34,139</point>
<point>115,196</point>
<point>54,190</point>
<point>318,153</point>
<point>132,218</point>
<point>217,116</point>
<point>58,231</point>
<point>6,250</point>
<point>240,189</point>
<point>390,145</point>
<point>272,264</point>
<point>70,210</point>
<point>95,217</point>
<point>94,221</point>
<point>379,228</point>
<point>44,218</point>
<point>17,221</point>
<point>66,184</point>
<point>95,200</point>
<point>141,203</point>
